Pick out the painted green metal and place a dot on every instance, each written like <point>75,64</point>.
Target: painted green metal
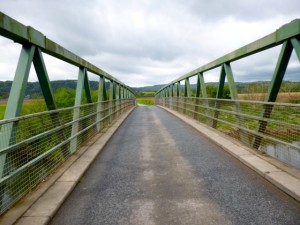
<point>187,88</point>
<point>87,88</point>
<point>274,87</point>
<point>296,45</point>
<point>15,100</point>
<point>230,80</point>
<point>171,96</point>
<point>44,81</point>
<point>34,44</point>
<point>234,96</point>
<point>221,83</point>
<point>198,88</point>
<point>179,89</point>
<point>203,86</point>
<point>82,78</point>
<point>219,95</point>
<point>198,91</point>
<point>16,97</point>
<point>112,96</point>
<point>101,90</point>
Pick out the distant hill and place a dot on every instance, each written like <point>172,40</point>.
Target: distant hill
<point>153,88</point>
<point>33,88</point>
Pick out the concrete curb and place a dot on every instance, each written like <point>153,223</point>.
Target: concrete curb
<point>285,178</point>
<point>39,208</point>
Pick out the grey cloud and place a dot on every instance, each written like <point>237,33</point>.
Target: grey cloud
<point>153,41</point>
<point>247,10</point>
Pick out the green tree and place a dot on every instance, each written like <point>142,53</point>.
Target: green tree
<point>64,97</point>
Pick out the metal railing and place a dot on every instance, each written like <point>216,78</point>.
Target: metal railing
<point>32,146</point>
<point>265,125</point>
<point>281,138</point>
<point>40,144</point>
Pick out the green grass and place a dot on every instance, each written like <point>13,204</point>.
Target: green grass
<point>32,106</point>
<point>2,110</point>
<point>145,101</point>
<point>149,93</point>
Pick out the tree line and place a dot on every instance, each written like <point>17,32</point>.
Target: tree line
<point>33,89</point>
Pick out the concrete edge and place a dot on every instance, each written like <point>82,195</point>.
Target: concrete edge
<point>279,177</point>
<point>39,206</point>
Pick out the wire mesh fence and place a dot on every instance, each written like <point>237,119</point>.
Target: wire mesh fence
<point>272,128</point>
<point>32,146</point>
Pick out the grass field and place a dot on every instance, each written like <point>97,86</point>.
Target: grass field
<point>2,110</point>
<point>29,106</point>
<point>286,97</point>
<point>145,101</point>
<point>149,93</point>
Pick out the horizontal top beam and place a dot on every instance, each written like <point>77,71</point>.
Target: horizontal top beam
<point>285,32</point>
<point>22,34</point>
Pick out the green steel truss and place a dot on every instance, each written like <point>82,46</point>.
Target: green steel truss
<point>34,44</point>
<point>288,36</point>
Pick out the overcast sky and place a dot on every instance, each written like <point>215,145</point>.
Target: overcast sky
<point>149,42</point>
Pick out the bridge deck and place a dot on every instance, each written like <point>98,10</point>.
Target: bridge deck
<point>158,170</point>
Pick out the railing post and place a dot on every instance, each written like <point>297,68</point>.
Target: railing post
<point>101,90</point>
<point>111,100</point>
<point>164,97</point>
<point>219,96</point>
<point>82,83</point>
<point>204,96</point>
<point>187,94</point>
<point>117,99</point>
<point>198,89</point>
<point>179,98</point>
<point>171,96</point>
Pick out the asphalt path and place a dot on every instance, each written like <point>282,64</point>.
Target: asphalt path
<point>158,170</point>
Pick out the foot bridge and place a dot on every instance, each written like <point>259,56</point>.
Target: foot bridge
<point>189,159</point>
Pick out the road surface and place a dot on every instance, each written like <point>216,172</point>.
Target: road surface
<point>158,170</point>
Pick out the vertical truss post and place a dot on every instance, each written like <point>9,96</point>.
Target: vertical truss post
<point>234,96</point>
<point>175,99</point>
<point>178,89</point>
<point>179,98</point>
<point>111,100</point>
<point>187,88</point>
<point>219,96</point>
<point>203,86</point>
<point>274,87</point>
<point>76,113</point>
<point>101,90</point>
<point>14,104</point>
<point>204,96</point>
<point>117,99</point>
<point>198,89</point>
<point>87,88</point>
<point>187,94</point>
<point>163,98</point>
<point>171,96</point>
<point>121,97</point>
<point>126,94</point>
